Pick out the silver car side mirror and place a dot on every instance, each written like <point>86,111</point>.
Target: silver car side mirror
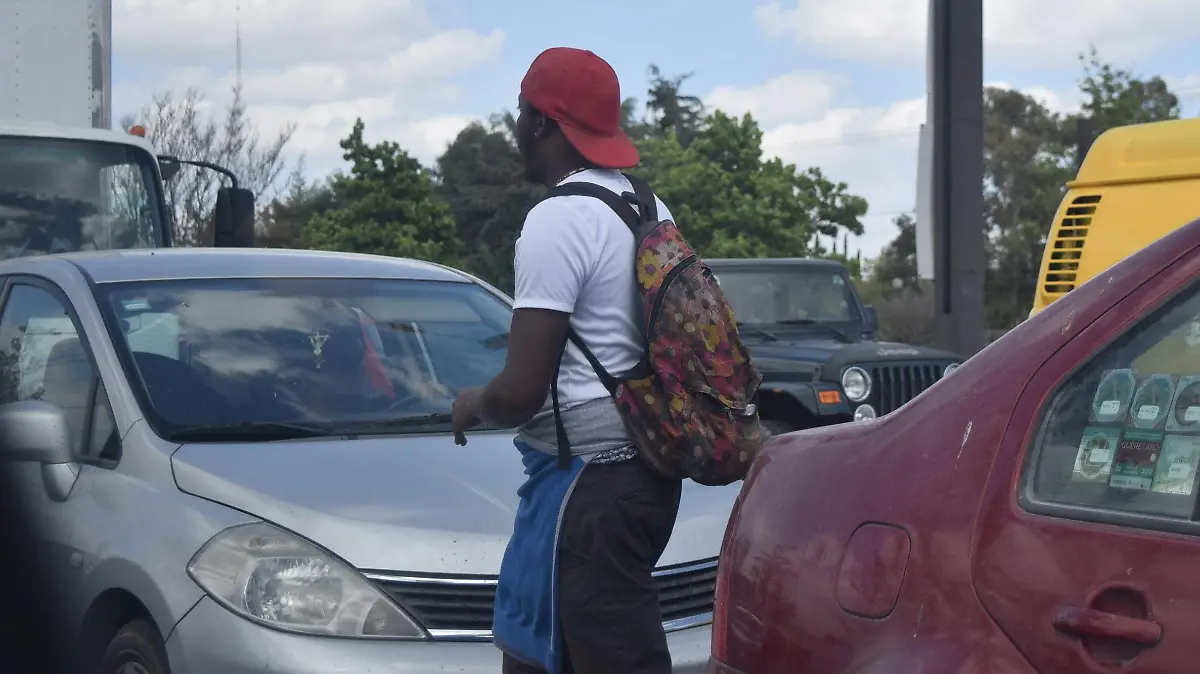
<point>33,430</point>
<point>37,431</point>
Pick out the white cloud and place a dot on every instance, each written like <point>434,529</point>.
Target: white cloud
<point>873,150</point>
<point>314,63</point>
<point>1050,34</point>
<point>276,32</point>
<point>799,94</point>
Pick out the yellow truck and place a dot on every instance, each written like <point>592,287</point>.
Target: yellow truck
<point>1136,184</point>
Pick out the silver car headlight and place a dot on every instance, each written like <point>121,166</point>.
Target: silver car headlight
<point>280,580</point>
<point>856,383</point>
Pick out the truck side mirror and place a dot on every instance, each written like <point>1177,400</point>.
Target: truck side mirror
<point>233,225</point>
<point>870,318</point>
<point>168,168</point>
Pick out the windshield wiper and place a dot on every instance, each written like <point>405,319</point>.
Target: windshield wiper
<point>250,430</point>
<point>813,323</point>
<point>754,327</point>
<point>399,423</point>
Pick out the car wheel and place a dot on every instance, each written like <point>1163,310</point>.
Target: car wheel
<point>136,649</point>
<point>773,427</point>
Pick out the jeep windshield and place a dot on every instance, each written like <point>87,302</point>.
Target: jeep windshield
<point>794,296</point>
<point>59,196</point>
<point>224,360</point>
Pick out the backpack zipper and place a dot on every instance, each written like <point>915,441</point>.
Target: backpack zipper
<point>662,291</point>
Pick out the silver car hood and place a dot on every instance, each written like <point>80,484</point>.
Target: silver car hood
<point>414,503</point>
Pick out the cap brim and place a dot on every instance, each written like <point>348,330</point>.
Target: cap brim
<point>614,152</point>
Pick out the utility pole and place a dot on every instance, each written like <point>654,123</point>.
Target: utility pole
<point>956,118</point>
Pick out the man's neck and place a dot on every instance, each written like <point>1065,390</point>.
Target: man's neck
<point>556,176</point>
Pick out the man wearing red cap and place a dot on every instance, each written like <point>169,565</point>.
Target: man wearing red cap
<point>575,592</point>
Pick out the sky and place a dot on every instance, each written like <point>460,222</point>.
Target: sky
<point>837,85</point>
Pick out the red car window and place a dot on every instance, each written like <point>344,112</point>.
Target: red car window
<point>1123,433</point>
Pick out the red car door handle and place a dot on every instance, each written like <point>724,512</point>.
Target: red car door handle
<point>1086,622</point>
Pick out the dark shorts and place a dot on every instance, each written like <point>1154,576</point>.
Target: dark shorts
<point>617,523</point>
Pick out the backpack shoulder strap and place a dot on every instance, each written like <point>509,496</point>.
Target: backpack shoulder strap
<point>619,206</point>
<point>645,196</point>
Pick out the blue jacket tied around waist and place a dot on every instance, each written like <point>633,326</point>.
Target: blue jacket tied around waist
<point>525,620</point>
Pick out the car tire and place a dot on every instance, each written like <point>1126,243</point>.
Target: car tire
<point>774,427</point>
<point>136,648</point>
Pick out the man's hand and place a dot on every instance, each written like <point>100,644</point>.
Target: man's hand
<point>466,412</point>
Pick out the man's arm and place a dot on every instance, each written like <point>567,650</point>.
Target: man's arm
<point>554,257</point>
<point>520,390</point>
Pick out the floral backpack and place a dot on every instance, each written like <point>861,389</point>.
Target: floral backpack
<point>689,403</point>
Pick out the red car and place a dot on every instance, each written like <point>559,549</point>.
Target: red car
<point>1033,512</point>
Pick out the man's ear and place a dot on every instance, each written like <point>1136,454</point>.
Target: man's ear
<point>545,127</point>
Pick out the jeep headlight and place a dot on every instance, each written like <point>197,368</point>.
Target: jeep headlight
<point>280,580</point>
<point>856,383</point>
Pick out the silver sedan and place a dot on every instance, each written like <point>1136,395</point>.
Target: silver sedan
<point>241,461</point>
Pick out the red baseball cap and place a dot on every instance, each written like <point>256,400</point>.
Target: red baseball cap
<point>580,91</point>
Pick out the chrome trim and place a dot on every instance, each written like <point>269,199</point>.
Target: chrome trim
<point>389,578</point>
<point>492,580</point>
<point>698,566</point>
<point>866,377</point>
<point>688,622</point>
<point>675,625</point>
<point>460,635</point>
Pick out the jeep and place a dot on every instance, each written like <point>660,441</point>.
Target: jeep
<point>813,339</point>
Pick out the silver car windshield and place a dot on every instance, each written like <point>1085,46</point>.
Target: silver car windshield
<point>318,354</point>
<point>59,196</point>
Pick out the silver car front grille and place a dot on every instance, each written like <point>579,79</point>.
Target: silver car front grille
<point>459,608</point>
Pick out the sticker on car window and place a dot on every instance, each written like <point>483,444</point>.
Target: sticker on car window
<point>135,305</point>
<point>1137,457</point>
<point>1112,396</point>
<point>1151,402</point>
<point>1176,470</point>
<point>1184,414</point>
<point>1093,462</point>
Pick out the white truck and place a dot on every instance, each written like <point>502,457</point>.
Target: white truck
<point>68,181</point>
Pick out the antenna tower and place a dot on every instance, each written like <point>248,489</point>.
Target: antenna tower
<point>238,29</point>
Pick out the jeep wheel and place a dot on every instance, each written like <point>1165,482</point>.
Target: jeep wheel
<point>135,649</point>
<point>773,427</point>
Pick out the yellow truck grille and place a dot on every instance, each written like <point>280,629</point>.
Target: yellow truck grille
<point>1066,245</point>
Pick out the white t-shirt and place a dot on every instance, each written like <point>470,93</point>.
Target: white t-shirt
<point>575,255</point>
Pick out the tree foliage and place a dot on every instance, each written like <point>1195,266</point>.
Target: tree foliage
<point>181,127</point>
<point>734,203</point>
<point>386,205</point>
<point>481,179</point>
<point>1030,152</point>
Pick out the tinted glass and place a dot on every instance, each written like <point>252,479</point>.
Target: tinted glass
<point>1124,432</point>
<point>42,357</point>
<point>332,353</point>
<point>59,196</point>
<point>769,296</point>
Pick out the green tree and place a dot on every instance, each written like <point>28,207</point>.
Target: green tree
<point>1116,97</point>
<point>1030,152</point>
<point>1025,166</point>
<point>896,267</point>
<point>729,199</point>
<point>283,220</point>
<point>670,109</point>
<point>481,179</point>
<point>733,203</point>
<point>386,205</point>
